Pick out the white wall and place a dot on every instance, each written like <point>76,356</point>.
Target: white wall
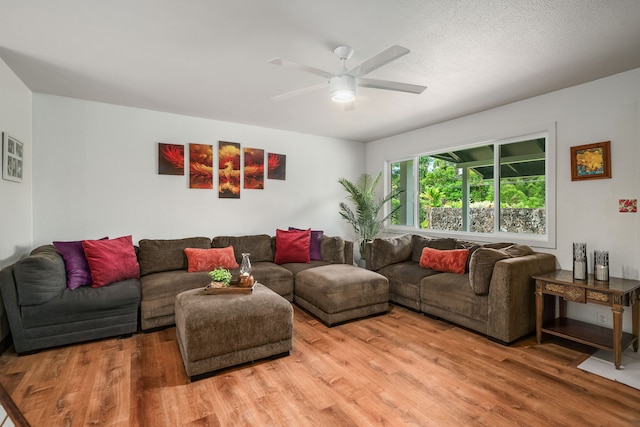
<point>587,211</point>
<point>15,217</point>
<point>95,175</point>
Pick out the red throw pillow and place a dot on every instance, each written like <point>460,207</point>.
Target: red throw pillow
<point>292,246</point>
<point>111,260</point>
<point>209,259</point>
<point>451,261</point>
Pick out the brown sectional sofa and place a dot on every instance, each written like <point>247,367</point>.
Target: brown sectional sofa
<point>163,269</point>
<point>495,295</point>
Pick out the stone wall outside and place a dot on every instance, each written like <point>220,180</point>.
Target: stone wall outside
<point>514,220</point>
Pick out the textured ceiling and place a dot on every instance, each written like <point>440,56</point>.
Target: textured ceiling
<point>209,58</point>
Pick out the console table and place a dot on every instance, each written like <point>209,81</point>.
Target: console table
<point>615,293</point>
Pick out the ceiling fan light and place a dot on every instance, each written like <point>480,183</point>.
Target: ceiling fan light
<point>343,88</point>
<point>343,95</point>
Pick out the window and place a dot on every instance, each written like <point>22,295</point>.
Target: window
<point>403,176</point>
<point>487,190</point>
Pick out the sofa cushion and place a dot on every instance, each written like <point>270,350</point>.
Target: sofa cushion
<point>518,250</point>
<point>168,284</point>
<point>449,296</point>
<point>332,250</point>
<point>158,255</point>
<point>258,245</point>
<point>420,242</point>
<point>315,244</point>
<point>481,268</point>
<point>461,244</point>
<point>390,250</point>
<point>484,260</point>
<point>84,304</point>
<point>451,261</point>
<point>292,246</point>
<point>111,260</point>
<point>40,277</point>
<point>297,267</point>
<point>209,259</point>
<point>75,262</point>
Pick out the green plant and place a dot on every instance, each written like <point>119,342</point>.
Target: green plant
<point>366,219</point>
<point>220,275</point>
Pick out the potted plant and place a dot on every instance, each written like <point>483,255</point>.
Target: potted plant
<point>366,219</point>
<point>220,277</point>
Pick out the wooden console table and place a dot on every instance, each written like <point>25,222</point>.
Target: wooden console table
<point>615,293</point>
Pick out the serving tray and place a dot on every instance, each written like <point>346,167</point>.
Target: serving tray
<point>231,289</point>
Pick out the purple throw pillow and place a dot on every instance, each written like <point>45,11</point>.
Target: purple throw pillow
<point>75,262</point>
<point>315,244</point>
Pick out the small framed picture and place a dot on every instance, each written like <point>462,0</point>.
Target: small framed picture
<point>12,158</point>
<point>591,161</point>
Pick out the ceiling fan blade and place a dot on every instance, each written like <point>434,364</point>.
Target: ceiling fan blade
<point>297,92</point>
<point>389,85</point>
<point>305,68</point>
<point>378,60</point>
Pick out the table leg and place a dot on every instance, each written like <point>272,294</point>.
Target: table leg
<point>539,311</point>
<point>617,334</point>
<point>635,308</point>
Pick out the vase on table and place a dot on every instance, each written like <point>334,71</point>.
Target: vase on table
<point>246,279</point>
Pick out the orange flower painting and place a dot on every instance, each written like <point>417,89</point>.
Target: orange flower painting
<point>200,166</point>
<point>591,161</point>
<point>228,170</point>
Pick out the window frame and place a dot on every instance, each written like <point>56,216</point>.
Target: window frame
<point>547,240</point>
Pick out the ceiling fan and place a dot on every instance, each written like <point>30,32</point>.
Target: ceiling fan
<point>343,85</point>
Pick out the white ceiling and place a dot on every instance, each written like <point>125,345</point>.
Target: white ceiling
<point>208,58</point>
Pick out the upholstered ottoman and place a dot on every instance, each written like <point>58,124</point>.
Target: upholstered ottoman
<point>337,293</point>
<point>219,331</point>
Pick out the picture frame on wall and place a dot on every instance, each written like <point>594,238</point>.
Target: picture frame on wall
<point>591,161</point>
<point>12,158</point>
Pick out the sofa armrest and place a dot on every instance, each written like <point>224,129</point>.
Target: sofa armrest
<point>12,307</point>
<point>348,252</point>
<point>511,295</point>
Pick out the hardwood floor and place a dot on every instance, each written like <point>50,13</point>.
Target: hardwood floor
<point>398,369</point>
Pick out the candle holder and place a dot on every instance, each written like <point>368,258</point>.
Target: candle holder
<point>601,265</point>
<point>580,261</point>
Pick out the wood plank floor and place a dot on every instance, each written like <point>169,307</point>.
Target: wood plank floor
<point>398,369</point>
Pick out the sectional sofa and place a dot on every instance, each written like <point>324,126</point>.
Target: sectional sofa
<point>489,290</point>
<point>492,292</point>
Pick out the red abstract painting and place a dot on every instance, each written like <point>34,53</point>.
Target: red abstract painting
<point>170,159</point>
<point>277,166</point>
<point>200,166</point>
<point>228,170</point>
<point>254,168</point>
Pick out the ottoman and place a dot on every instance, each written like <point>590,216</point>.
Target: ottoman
<point>337,293</point>
<point>219,331</point>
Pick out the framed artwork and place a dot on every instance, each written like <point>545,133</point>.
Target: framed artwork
<point>591,161</point>
<point>12,158</point>
<point>228,170</point>
<point>170,159</point>
<point>277,166</point>
<point>200,166</point>
<point>253,168</point>
<point>628,205</point>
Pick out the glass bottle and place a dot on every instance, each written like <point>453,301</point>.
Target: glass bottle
<point>245,268</point>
